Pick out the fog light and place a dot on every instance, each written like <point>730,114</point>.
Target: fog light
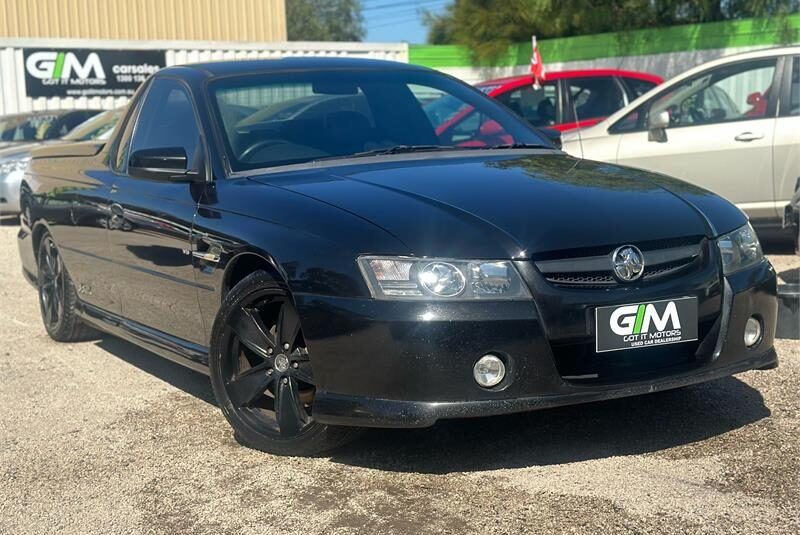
<point>752,331</point>
<point>489,371</point>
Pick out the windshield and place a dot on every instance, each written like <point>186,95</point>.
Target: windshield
<point>98,127</point>
<point>443,108</point>
<point>296,117</point>
<point>26,127</point>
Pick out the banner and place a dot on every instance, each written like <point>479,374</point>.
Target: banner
<point>75,72</point>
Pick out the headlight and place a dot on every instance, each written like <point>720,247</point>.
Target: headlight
<point>441,279</point>
<point>740,249</point>
<point>18,164</point>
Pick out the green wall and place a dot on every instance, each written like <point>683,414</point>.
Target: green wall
<point>714,35</point>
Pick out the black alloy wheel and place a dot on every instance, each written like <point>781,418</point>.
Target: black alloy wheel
<point>261,371</point>
<point>58,300</point>
<point>51,284</point>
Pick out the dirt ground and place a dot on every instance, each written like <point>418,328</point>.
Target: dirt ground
<point>103,437</point>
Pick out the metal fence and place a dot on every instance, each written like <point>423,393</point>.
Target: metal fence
<point>13,97</point>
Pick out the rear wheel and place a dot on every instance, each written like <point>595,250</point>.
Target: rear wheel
<point>58,299</point>
<point>261,372</point>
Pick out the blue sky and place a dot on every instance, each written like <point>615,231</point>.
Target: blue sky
<point>398,20</point>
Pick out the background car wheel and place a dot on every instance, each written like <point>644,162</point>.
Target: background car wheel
<point>58,299</point>
<point>261,372</point>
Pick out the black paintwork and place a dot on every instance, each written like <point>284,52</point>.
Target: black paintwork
<point>138,251</point>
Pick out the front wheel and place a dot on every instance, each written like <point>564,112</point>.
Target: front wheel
<point>261,372</point>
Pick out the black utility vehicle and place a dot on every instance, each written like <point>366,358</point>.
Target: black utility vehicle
<point>297,229</point>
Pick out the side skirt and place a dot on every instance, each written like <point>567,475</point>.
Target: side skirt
<point>175,349</point>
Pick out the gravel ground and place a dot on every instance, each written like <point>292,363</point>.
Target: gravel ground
<point>102,437</point>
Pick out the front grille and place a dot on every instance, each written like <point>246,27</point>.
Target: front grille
<point>581,279</point>
<point>579,363</point>
<point>596,271</point>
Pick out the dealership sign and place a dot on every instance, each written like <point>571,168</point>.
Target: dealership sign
<point>646,324</point>
<point>88,73</point>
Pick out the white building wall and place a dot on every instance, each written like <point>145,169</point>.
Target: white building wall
<point>12,73</point>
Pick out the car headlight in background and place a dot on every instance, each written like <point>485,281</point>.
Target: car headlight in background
<point>441,279</point>
<point>740,249</point>
<point>16,164</point>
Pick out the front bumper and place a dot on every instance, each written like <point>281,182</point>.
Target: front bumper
<point>405,364</point>
<point>336,409</point>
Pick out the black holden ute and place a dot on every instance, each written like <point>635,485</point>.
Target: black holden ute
<point>311,235</point>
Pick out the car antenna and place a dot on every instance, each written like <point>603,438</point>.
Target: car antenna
<point>577,121</point>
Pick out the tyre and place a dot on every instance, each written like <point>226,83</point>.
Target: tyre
<point>261,372</point>
<point>58,299</point>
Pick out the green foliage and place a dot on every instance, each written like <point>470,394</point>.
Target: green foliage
<point>440,26</point>
<point>488,27</point>
<point>324,20</point>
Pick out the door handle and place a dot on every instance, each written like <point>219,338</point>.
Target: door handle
<point>205,249</point>
<point>200,255</point>
<point>748,136</point>
<point>207,257</point>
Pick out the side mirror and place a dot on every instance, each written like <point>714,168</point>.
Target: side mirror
<point>553,135</point>
<point>657,125</point>
<point>167,162</point>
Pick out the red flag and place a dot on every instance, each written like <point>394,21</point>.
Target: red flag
<point>537,67</point>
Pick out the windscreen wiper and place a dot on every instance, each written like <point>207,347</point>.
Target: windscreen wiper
<point>403,149</point>
<point>519,146</point>
<point>395,149</point>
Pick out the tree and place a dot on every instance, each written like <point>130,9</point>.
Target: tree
<point>441,27</point>
<point>324,20</point>
<point>488,27</point>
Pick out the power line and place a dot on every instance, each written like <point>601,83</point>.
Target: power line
<point>410,3</point>
<point>406,10</point>
<point>392,23</point>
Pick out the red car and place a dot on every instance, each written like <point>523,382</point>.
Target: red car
<point>593,93</point>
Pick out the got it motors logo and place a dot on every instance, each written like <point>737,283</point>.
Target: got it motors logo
<point>668,321</point>
<point>637,319</point>
<point>64,67</point>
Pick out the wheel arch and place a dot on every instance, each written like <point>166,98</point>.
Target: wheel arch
<point>243,264</point>
<point>38,230</point>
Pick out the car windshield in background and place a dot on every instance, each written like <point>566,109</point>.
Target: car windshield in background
<point>98,127</point>
<point>288,118</point>
<point>26,127</point>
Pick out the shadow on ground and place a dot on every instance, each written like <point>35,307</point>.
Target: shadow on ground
<point>564,435</point>
<point>190,381</point>
<point>555,436</point>
<point>789,276</point>
<point>578,433</point>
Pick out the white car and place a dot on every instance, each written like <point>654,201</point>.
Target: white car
<point>731,126</point>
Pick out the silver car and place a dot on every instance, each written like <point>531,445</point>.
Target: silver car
<point>731,126</point>
<point>14,157</point>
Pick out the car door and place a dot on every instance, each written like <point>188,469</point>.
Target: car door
<point>591,99</point>
<point>787,137</point>
<point>151,217</point>
<point>721,127</point>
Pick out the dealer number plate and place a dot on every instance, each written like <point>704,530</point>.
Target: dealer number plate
<point>639,325</point>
